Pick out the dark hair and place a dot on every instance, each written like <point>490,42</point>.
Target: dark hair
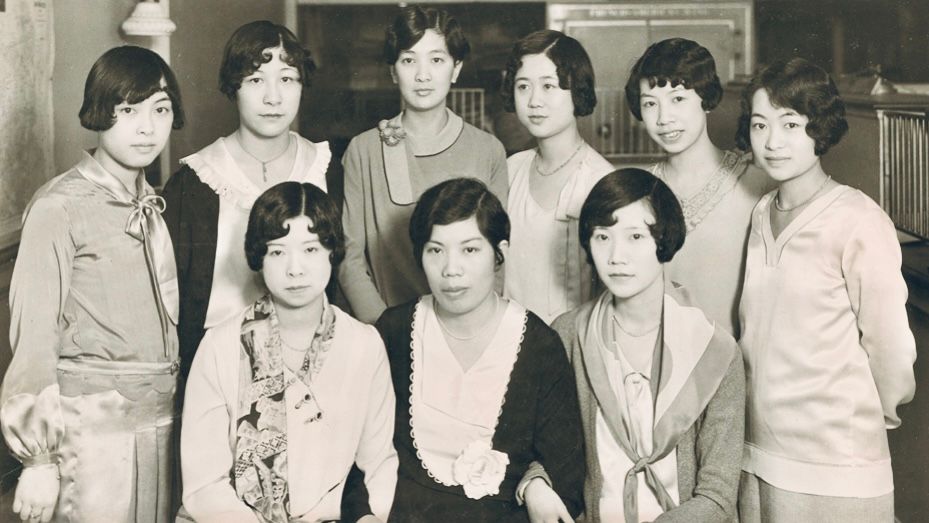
<point>800,85</point>
<point>289,200</point>
<point>411,24</point>
<point>127,74</point>
<point>625,187</point>
<point>456,200</point>
<point>575,72</point>
<point>245,53</point>
<point>675,61</point>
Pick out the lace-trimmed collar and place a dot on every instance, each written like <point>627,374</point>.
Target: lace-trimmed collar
<point>721,182</point>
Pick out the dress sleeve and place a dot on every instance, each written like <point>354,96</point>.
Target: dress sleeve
<point>718,452</point>
<point>354,272</point>
<point>31,414</point>
<point>559,442</point>
<point>499,181</point>
<point>871,263</point>
<point>206,449</point>
<point>376,456</point>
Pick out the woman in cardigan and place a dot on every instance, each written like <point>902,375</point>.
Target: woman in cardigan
<point>389,167</point>
<point>264,70</point>
<point>285,396</point>
<point>483,387</point>
<point>661,389</point>
<point>828,348</point>
<point>671,89</point>
<point>549,82</point>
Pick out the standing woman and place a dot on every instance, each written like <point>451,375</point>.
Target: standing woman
<point>483,385</point>
<point>264,71</point>
<point>672,88</point>
<point>827,345</point>
<point>88,402</point>
<point>389,167</point>
<point>549,82</point>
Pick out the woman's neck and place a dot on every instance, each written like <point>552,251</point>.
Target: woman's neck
<point>690,169</point>
<point>473,321</point>
<point>264,148</point>
<point>126,175</point>
<point>557,148</point>
<point>642,312</point>
<point>299,320</point>
<point>795,191</point>
<point>425,123</point>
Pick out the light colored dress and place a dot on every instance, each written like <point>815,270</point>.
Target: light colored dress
<point>383,181</point>
<point>546,268</point>
<point>828,349</point>
<point>711,263</point>
<point>262,443</point>
<point>92,382</point>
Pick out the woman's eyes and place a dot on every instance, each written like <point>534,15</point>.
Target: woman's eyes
<point>312,249</point>
<point>433,250</point>
<point>438,60</point>
<point>792,125</point>
<point>406,60</point>
<point>163,110</point>
<point>274,252</point>
<point>600,237</point>
<point>758,126</point>
<point>472,250</point>
<point>678,99</point>
<point>649,103</point>
<point>637,236</point>
<point>126,110</point>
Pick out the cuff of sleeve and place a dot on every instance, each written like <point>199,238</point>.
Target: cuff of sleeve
<point>50,458</point>
<point>535,470</point>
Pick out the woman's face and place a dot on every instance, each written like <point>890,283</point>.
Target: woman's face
<point>269,98</point>
<point>459,264</point>
<point>425,72</point>
<point>542,106</point>
<point>296,268</point>
<point>780,143</point>
<point>138,134</point>
<point>673,116</point>
<point>625,254</point>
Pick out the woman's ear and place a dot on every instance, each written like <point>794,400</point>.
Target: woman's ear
<point>457,70</point>
<point>504,248</point>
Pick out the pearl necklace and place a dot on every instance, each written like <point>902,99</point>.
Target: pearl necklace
<point>560,167</point>
<point>777,198</point>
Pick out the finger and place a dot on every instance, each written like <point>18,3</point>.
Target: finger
<point>25,512</point>
<point>564,515</point>
<point>17,504</point>
<point>48,513</point>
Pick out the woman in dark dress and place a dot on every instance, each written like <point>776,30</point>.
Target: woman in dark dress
<point>483,386</point>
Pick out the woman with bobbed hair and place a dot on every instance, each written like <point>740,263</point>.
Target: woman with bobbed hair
<point>661,388</point>
<point>671,89</point>
<point>549,83</point>
<point>828,349</point>
<point>388,168</point>
<point>483,386</point>
<point>264,71</point>
<point>284,397</point>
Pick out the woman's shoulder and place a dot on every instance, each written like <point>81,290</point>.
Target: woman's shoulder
<point>366,140</point>
<point>596,164</point>
<point>472,136</point>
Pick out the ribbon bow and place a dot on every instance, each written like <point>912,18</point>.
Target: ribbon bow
<point>146,225</point>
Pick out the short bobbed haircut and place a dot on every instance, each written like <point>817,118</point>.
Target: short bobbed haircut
<point>127,74</point>
<point>289,200</point>
<point>804,87</point>
<point>246,50</point>
<point>456,200</point>
<point>412,23</point>
<point>575,71</point>
<point>675,61</point>
<point>625,187</point>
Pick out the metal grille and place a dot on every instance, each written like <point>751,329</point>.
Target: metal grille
<point>468,103</point>
<point>904,159</point>
<point>614,132</point>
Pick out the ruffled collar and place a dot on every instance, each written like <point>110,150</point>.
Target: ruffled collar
<point>215,167</point>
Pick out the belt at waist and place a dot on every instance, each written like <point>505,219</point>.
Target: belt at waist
<point>131,378</point>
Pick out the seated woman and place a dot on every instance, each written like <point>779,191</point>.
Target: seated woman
<point>284,397</point>
<point>483,386</point>
<point>661,388</point>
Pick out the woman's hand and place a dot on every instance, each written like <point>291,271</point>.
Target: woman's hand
<point>544,505</point>
<point>37,493</point>
<point>370,518</point>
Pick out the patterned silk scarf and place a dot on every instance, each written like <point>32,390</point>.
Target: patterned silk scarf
<point>260,469</point>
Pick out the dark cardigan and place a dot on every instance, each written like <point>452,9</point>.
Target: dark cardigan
<point>540,421</point>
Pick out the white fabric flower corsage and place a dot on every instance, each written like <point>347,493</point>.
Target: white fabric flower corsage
<point>391,133</point>
<point>480,470</point>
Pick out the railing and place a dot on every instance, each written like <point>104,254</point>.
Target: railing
<point>614,132</point>
<point>904,157</point>
<point>468,103</point>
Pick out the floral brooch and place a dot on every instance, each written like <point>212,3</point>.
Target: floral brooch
<point>391,133</point>
<point>480,470</point>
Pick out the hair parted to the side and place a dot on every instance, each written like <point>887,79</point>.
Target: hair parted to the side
<point>806,88</point>
<point>575,71</point>
<point>247,49</point>
<point>456,200</point>
<point>625,187</point>
<point>127,74</point>
<point>675,61</point>
<point>411,24</point>
<point>289,200</point>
